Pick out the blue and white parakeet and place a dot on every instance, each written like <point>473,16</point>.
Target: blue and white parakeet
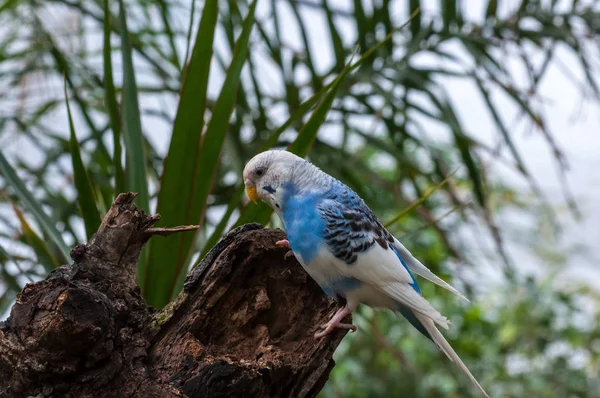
<point>342,245</point>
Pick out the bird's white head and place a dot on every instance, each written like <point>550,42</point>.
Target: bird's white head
<point>265,174</point>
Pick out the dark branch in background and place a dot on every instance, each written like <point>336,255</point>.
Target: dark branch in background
<point>242,326</point>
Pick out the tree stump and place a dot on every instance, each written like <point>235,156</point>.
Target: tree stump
<point>243,324</point>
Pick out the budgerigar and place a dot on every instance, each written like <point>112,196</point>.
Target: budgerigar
<point>342,245</point>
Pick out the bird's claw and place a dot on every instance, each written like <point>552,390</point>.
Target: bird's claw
<point>285,243</point>
<point>335,322</point>
<point>328,328</point>
<point>349,326</point>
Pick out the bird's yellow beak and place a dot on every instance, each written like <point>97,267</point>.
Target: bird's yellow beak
<point>251,192</point>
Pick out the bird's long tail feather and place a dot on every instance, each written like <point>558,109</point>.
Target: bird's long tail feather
<point>418,268</point>
<point>443,344</point>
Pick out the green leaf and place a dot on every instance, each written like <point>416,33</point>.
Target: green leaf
<point>39,246</point>
<point>8,5</point>
<point>32,205</point>
<point>13,285</point>
<point>216,234</point>
<point>307,56</point>
<point>110,98</point>
<point>300,111</point>
<point>165,14</point>
<point>83,185</point>
<point>523,7</point>
<point>186,203</point>
<point>307,135</point>
<point>448,12</point>
<point>63,65</point>
<point>415,23</point>
<point>189,35</point>
<point>382,17</point>
<point>361,24</point>
<point>416,203</point>
<point>463,145</point>
<point>336,40</point>
<point>503,129</point>
<point>491,9</point>
<point>174,198</point>
<point>132,127</point>
<point>11,282</point>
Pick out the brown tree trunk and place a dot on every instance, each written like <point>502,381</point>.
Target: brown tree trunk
<point>242,326</point>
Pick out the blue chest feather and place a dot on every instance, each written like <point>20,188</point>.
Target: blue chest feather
<point>304,226</point>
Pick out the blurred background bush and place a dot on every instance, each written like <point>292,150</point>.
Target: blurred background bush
<point>170,98</point>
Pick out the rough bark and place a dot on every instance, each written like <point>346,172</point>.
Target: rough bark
<point>242,326</point>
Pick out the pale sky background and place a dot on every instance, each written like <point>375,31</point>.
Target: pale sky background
<point>574,121</point>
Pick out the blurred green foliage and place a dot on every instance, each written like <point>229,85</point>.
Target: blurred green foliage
<point>171,98</point>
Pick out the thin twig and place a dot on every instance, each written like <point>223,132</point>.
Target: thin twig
<point>171,230</point>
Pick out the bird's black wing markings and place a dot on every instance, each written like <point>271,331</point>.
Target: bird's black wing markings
<point>350,226</point>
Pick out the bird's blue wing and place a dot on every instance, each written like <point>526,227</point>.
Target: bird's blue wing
<point>350,226</point>
<point>355,237</point>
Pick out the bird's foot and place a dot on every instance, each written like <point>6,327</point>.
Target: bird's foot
<point>335,323</point>
<point>330,327</point>
<point>285,243</point>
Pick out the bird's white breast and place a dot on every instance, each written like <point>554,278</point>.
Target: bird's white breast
<point>325,268</point>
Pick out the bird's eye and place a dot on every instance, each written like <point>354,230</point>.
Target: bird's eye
<point>260,172</point>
